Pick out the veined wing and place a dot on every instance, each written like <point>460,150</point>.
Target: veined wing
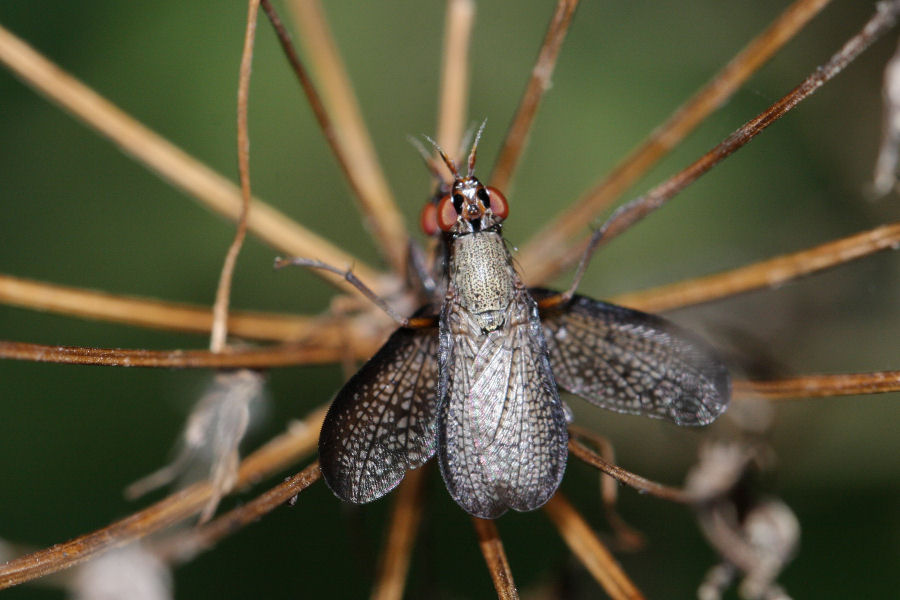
<point>382,422</point>
<point>502,434</point>
<point>633,362</point>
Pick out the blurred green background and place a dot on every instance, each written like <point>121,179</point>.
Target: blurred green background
<point>76,211</point>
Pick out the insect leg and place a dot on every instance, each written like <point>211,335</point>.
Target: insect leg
<point>347,274</point>
<point>564,297</point>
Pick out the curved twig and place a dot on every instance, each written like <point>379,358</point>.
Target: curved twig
<point>223,292</point>
<point>641,484</point>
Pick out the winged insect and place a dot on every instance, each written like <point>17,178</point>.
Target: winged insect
<point>478,383</point>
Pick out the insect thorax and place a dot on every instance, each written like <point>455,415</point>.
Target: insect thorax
<point>482,276</point>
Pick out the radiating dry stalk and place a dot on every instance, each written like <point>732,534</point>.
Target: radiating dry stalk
<point>767,273</point>
<point>277,327</point>
<point>817,258</point>
<point>454,94</point>
<point>343,126</point>
<point>495,556</point>
<point>642,484</point>
<point>628,214</point>
<point>249,358</point>
<point>276,455</point>
<point>517,134</point>
<point>588,548</point>
<point>169,161</point>
<point>223,292</point>
<point>390,579</point>
<point>545,253</point>
<point>159,314</point>
<point>627,537</point>
<point>821,386</point>
<point>186,545</point>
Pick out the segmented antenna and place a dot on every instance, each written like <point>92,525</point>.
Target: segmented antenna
<point>447,160</point>
<point>470,171</point>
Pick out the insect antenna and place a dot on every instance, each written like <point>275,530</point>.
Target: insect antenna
<point>447,160</point>
<point>470,171</point>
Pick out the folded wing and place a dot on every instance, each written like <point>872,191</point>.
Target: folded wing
<point>382,422</point>
<point>502,435</point>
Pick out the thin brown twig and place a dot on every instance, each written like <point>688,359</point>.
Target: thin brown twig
<point>626,536</point>
<point>641,484</point>
<point>546,253</point>
<point>223,292</point>
<point>393,566</point>
<point>276,455</point>
<point>343,125</point>
<point>168,161</point>
<point>281,327</point>
<point>767,273</point>
<point>585,545</point>
<point>628,214</point>
<point>517,134</point>
<point>159,314</point>
<point>250,358</point>
<point>454,93</point>
<point>495,557</point>
<point>186,545</point>
<point>821,386</point>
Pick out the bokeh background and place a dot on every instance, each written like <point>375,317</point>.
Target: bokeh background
<point>76,211</point>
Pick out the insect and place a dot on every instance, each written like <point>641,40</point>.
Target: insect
<point>481,390</point>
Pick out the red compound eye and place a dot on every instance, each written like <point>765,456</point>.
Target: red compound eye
<point>499,206</point>
<point>428,219</point>
<point>446,213</point>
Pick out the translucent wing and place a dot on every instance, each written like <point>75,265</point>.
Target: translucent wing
<point>382,422</point>
<point>502,435</point>
<point>632,362</point>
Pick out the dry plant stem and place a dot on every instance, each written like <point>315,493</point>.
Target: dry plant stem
<point>167,160</point>
<point>288,355</point>
<point>253,358</point>
<point>266,326</point>
<point>629,214</point>
<point>637,482</point>
<point>158,314</point>
<point>455,73</point>
<point>186,545</point>
<point>342,125</point>
<point>276,455</point>
<point>517,135</point>
<point>585,545</point>
<point>495,557</point>
<point>627,536</point>
<point>223,293</point>
<point>768,273</point>
<point>545,254</point>
<point>821,386</point>
<point>402,529</point>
